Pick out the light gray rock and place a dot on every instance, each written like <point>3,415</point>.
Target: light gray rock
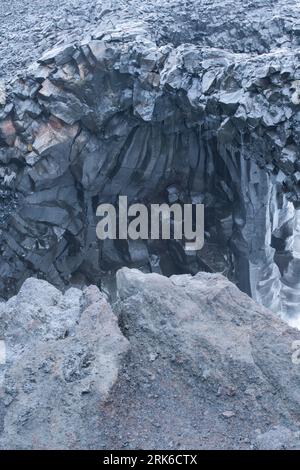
<point>279,438</point>
<point>193,364</point>
<point>63,356</point>
<point>2,93</point>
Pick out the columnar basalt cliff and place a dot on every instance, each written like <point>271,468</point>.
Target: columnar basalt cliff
<point>189,102</point>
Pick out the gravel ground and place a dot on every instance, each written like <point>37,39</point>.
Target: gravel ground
<point>29,27</point>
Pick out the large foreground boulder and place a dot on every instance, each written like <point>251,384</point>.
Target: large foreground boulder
<point>223,366</point>
<point>207,367</point>
<point>63,354</point>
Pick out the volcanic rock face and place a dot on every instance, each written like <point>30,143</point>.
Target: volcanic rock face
<point>29,27</point>
<point>202,366</point>
<point>190,102</point>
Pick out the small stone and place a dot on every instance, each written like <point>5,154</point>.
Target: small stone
<point>228,414</point>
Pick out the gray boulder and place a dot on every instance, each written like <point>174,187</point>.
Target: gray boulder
<point>63,355</point>
<point>218,361</point>
<point>207,368</point>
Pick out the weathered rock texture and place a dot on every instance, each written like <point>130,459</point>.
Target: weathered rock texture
<point>206,368</point>
<point>29,27</point>
<point>186,101</point>
<point>63,357</point>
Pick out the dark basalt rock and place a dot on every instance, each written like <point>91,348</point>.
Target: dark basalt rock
<point>195,102</point>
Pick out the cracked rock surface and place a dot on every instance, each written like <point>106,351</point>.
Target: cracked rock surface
<point>193,364</point>
<point>194,101</point>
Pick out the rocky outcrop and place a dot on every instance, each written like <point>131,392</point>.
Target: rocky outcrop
<point>29,28</point>
<point>251,26</point>
<point>63,356</point>
<point>159,105</point>
<point>207,368</point>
